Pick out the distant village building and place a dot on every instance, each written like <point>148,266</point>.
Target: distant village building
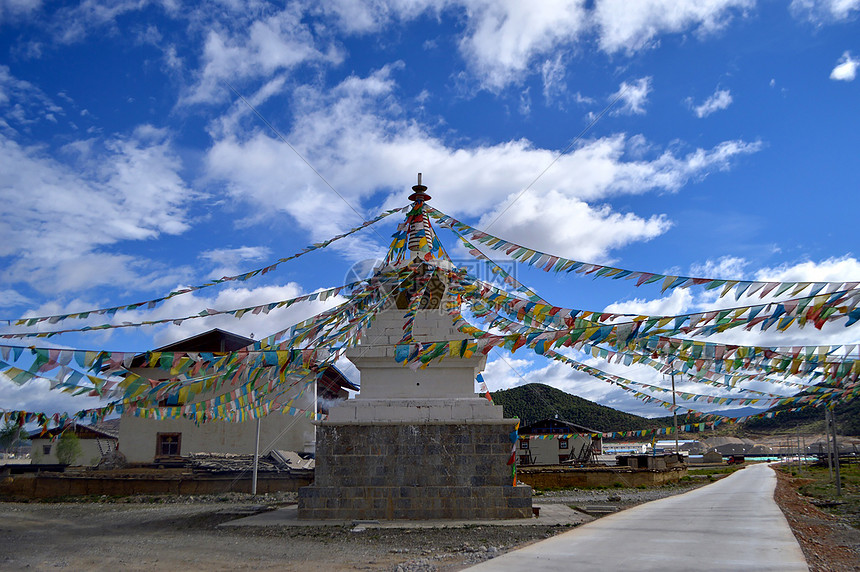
<point>624,448</point>
<point>95,441</point>
<point>553,442</point>
<point>146,440</point>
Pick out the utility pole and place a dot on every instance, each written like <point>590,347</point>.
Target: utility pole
<point>827,440</point>
<point>797,438</point>
<point>675,416</point>
<point>256,459</point>
<point>317,389</point>
<point>836,453</point>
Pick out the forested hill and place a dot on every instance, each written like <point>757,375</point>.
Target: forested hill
<point>536,401</point>
<point>810,419</point>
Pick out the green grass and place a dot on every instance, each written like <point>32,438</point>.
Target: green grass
<point>715,470</point>
<point>821,489</point>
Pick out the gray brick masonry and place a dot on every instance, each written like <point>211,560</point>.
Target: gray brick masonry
<point>416,472</point>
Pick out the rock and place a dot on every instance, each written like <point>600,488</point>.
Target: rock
<point>112,460</point>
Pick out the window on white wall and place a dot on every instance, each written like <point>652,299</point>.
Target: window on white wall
<point>168,444</point>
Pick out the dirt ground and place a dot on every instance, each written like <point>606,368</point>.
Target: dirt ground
<point>176,532</point>
<point>184,536</point>
<point>829,543</point>
<point>181,533</point>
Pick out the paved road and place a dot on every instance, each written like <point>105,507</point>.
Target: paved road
<point>733,524</point>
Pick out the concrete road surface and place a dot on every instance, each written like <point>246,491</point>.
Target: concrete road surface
<point>732,524</point>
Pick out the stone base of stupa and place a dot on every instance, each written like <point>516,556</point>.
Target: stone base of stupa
<point>414,470</point>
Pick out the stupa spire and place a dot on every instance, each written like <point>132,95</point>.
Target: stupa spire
<point>419,194</point>
<point>420,234</point>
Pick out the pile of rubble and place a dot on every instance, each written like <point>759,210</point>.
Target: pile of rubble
<point>276,461</point>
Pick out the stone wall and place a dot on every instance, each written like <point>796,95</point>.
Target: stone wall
<point>568,477</point>
<point>414,471</point>
<point>56,485</point>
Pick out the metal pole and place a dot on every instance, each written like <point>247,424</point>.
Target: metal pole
<point>675,416</point>
<point>316,390</point>
<point>836,454</point>
<point>797,438</point>
<point>827,440</point>
<point>256,459</point>
<point>804,448</point>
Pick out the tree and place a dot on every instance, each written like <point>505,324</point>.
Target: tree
<point>68,448</point>
<point>10,435</point>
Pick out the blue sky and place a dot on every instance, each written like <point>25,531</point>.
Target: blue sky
<point>130,166</point>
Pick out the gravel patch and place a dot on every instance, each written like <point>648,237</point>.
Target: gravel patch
<point>180,532</point>
<point>621,497</point>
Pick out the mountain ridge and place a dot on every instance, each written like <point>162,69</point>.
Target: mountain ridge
<point>534,402</point>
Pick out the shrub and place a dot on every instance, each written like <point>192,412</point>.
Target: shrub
<point>68,448</point>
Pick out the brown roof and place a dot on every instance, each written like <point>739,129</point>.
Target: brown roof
<point>217,340</point>
<point>82,432</point>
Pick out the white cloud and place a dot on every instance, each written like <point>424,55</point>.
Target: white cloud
<point>365,17</point>
<point>569,227</point>
<point>11,10</point>
<point>727,267</point>
<point>696,299</point>
<point>501,39</point>
<point>505,370</point>
<point>227,261</point>
<point>74,23</point>
<point>260,325</point>
<point>553,72</point>
<point>11,298</point>
<point>677,302</point>
<point>355,133</point>
<point>846,69</point>
<point>59,215</point>
<point>631,26</point>
<point>632,97</point>
<point>721,99</point>
<point>837,269</point>
<point>824,11</point>
<point>503,36</point>
<point>277,43</point>
<point>37,397</point>
<point>22,103</point>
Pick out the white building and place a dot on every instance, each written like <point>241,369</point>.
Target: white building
<point>553,441</point>
<point>146,440</point>
<point>95,441</point>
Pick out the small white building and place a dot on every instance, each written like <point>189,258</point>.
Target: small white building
<point>553,442</point>
<point>146,440</point>
<point>95,441</point>
<point>625,448</point>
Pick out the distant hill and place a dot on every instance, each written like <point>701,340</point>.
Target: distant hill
<point>811,419</point>
<point>536,401</point>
